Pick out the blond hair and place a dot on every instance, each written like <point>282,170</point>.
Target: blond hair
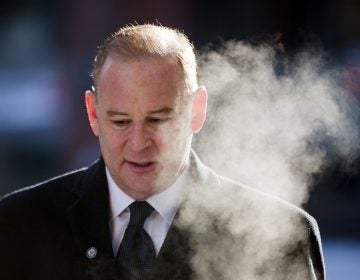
<point>149,40</point>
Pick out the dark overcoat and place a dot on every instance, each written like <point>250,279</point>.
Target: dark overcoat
<point>59,229</point>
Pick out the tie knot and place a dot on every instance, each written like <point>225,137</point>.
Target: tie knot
<point>139,211</point>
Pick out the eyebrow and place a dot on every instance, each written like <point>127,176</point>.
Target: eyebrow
<point>165,110</point>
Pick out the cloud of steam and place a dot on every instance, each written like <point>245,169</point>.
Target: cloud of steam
<point>271,131</point>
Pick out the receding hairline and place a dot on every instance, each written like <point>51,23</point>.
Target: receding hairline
<point>171,61</point>
<point>148,40</point>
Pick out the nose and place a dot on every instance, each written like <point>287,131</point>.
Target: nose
<point>138,139</point>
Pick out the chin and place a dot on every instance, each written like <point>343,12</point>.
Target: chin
<point>145,188</point>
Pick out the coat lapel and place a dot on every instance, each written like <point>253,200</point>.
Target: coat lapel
<point>174,258</point>
<point>89,215</point>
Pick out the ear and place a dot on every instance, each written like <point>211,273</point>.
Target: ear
<point>90,101</point>
<point>199,109</point>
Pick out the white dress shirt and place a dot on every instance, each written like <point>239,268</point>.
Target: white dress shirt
<point>157,224</point>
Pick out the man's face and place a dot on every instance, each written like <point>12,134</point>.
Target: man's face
<point>144,120</point>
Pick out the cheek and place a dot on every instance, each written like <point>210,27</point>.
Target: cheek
<point>173,137</point>
<point>111,139</point>
<point>160,140</point>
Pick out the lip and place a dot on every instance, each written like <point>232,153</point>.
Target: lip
<point>141,167</point>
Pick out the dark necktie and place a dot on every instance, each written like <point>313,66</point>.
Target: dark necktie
<point>136,254</point>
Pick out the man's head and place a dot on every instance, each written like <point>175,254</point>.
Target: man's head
<point>146,106</point>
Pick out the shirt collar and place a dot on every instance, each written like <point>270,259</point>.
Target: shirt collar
<point>165,202</point>
<point>119,200</point>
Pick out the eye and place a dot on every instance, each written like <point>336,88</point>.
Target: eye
<point>121,123</point>
<point>157,120</point>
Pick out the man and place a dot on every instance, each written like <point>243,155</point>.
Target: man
<point>148,208</point>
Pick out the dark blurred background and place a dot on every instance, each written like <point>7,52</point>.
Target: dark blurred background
<point>46,52</point>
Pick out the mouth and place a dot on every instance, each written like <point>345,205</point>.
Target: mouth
<point>141,167</point>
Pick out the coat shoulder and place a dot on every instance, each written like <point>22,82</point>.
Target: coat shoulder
<point>283,218</point>
<point>41,196</point>
<point>257,197</point>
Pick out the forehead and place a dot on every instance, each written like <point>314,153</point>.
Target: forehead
<point>140,69</point>
<point>151,79</point>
